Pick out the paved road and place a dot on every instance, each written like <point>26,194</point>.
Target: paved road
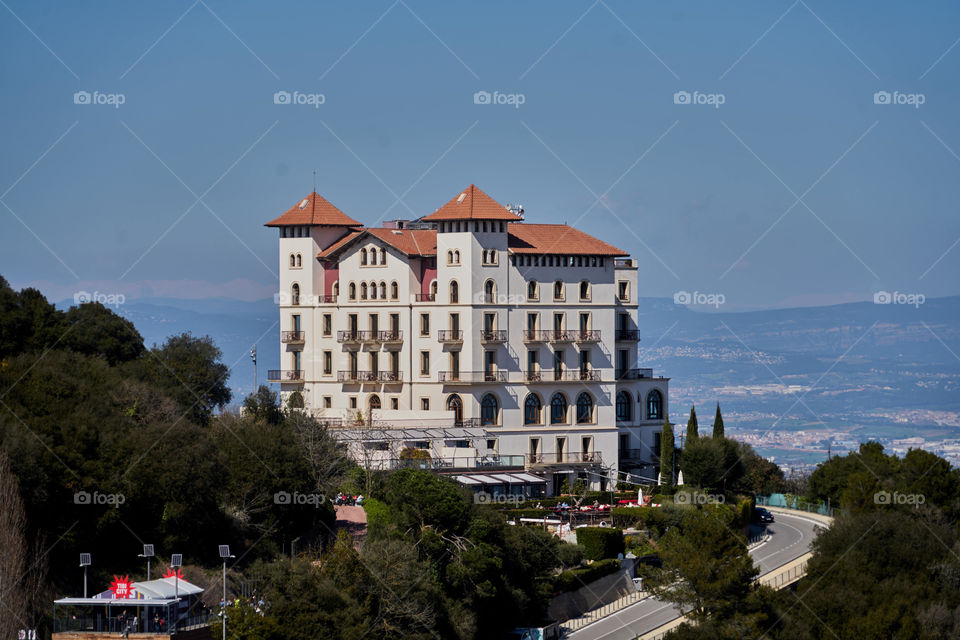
<point>790,537</point>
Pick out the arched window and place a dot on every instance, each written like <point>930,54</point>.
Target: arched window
<point>293,260</point>
<point>373,290</point>
<point>456,256</point>
<point>394,291</point>
<point>383,290</point>
<point>295,294</point>
<point>352,289</point>
<point>558,290</point>
<point>623,406</point>
<point>654,405</point>
<point>363,290</point>
<point>363,256</point>
<point>454,292</point>
<point>489,408</point>
<point>584,408</point>
<point>558,409</point>
<point>449,257</point>
<point>584,290</point>
<point>383,256</point>
<point>336,288</point>
<point>455,404</point>
<point>489,291</point>
<point>531,409</point>
<point>433,288</point>
<point>374,402</point>
<point>299,260</point>
<point>532,290</point>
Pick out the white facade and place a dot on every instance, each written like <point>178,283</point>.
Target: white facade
<point>366,345</point>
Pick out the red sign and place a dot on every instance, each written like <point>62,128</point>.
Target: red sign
<point>122,587</point>
<point>169,573</point>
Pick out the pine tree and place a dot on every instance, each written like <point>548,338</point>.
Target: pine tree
<point>692,427</point>
<point>666,454</point>
<point>718,424</point>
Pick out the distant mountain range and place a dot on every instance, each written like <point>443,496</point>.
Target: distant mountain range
<point>800,379</point>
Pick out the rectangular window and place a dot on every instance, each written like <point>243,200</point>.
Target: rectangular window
<point>374,322</point>
<point>489,361</point>
<point>327,402</point>
<point>395,362</point>
<point>454,322</point>
<point>394,322</point>
<point>296,323</point>
<point>455,363</point>
<point>532,321</point>
<point>352,323</point>
<point>489,321</point>
<point>374,362</point>
<point>492,444</point>
<point>395,403</point>
<point>584,322</point>
<point>353,402</point>
<point>623,321</point>
<point>623,290</point>
<point>558,322</point>
<point>353,363</point>
<point>424,324</point>
<point>533,360</point>
<point>558,362</point>
<point>424,363</point>
<point>327,324</point>
<point>584,360</point>
<point>425,404</point>
<point>622,361</point>
<point>327,363</point>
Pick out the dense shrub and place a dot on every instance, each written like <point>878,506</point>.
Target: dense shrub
<point>600,542</point>
<point>573,579</point>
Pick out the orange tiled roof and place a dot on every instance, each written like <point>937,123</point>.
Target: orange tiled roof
<point>413,242</point>
<point>315,210</point>
<point>472,204</point>
<point>556,238</point>
<point>340,242</point>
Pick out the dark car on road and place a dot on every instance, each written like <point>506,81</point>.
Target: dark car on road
<point>762,515</point>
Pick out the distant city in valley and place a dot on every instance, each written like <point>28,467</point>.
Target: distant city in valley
<point>795,383</point>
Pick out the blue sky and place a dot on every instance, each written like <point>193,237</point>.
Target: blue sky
<point>798,189</point>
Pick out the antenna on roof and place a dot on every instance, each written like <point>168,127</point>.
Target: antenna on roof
<point>314,179</point>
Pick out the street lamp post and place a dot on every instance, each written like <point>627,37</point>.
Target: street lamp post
<point>176,560</point>
<point>84,562</point>
<point>147,553</point>
<point>225,555</point>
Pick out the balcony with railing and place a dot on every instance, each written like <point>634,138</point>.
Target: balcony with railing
<point>449,336</point>
<point>490,336</point>
<point>391,336</point>
<point>356,337</point>
<point>357,376</point>
<point>292,337</point>
<point>285,375</point>
<point>391,377</point>
<point>325,299</point>
<point>628,335</point>
<point>587,335</point>
<point>472,377</point>
<point>559,335</point>
<point>633,374</point>
<point>535,335</point>
<point>425,297</point>
<point>565,458</point>
<point>592,375</point>
<point>624,263</point>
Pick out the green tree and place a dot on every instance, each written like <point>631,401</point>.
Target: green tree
<point>692,427</point>
<point>666,453</point>
<point>713,568</point>
<point>262,406</point>
<point>718,424</point>
<point>189,370</point>
<point>93,329</point>
<point>703,462</point>
<point>759,474</point>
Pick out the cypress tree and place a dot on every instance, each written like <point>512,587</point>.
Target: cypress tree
<point>692,427</point>
<point>666,453</point>
<point>718,424</point>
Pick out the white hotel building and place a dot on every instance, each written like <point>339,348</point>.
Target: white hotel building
<point>468,341</point>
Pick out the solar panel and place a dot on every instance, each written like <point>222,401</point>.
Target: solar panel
<point>85,560</point>
<point>224,551</point>
<point>148,551</point>
<point>176,560</point>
